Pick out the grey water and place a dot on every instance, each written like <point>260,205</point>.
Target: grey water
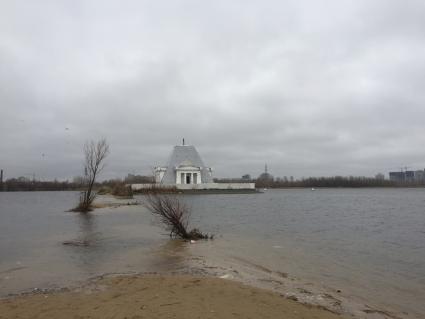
<point>34,226</point>
<point>367,242</point>
<point>370,243</point>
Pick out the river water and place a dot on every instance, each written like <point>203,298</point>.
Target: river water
<point>369,243</point>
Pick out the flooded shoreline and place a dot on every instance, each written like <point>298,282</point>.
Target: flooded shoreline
<point>180,258</point>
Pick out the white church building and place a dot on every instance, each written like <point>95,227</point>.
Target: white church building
<point>185,170</point>
<point>185,166</point>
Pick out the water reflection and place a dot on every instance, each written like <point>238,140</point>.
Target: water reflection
<point>87,249</point>
<point>87,224</point>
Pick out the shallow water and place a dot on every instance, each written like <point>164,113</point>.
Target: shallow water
<point>34,226</point>
<point>370,243</point>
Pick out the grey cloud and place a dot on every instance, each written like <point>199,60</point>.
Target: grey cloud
<point>310,87</point>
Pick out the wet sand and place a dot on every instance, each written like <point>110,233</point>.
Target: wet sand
<point>153,296</point>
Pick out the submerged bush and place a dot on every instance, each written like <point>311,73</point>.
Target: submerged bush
<point>85,202</point>
<point>174,215</point>
<point>94,155</point>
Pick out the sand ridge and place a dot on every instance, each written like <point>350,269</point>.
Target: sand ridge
<point>159,296</point>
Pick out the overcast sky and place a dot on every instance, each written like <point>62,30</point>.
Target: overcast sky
<point>312,88</point>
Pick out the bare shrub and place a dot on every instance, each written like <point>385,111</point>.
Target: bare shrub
<point>174,215</point>
<point>94,156</point>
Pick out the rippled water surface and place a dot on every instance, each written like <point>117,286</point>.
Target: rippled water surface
<point>370,242</point>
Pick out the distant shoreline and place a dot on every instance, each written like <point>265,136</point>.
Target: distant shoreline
<point>236,191</point>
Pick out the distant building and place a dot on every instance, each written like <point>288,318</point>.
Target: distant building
<point>246,177</point>
<point>185,170</point>
<point>397,177</point>
<point>408,176</point>
<point>265,179</point>
<point>265,176</point>
<point>420,176</point>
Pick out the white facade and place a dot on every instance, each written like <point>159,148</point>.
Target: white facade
<point>184,174</point>
<point>188,175</point>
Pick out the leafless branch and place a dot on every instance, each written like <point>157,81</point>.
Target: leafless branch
<point>174,215</point>
<point>94,156</point>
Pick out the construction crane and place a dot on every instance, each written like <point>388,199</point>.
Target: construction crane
<point>401,168</point>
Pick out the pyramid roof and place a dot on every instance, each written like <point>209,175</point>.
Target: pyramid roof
<point>184,155</point>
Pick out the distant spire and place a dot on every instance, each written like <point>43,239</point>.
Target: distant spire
<point>183,141</point>
<point>265,168</point>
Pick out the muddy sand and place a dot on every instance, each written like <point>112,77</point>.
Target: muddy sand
<point>154,296</point>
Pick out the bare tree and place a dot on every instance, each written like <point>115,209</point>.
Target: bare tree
<point>94,156</point>
<point>174,215</point>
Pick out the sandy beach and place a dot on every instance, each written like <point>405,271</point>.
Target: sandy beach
<point>153,296</point>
